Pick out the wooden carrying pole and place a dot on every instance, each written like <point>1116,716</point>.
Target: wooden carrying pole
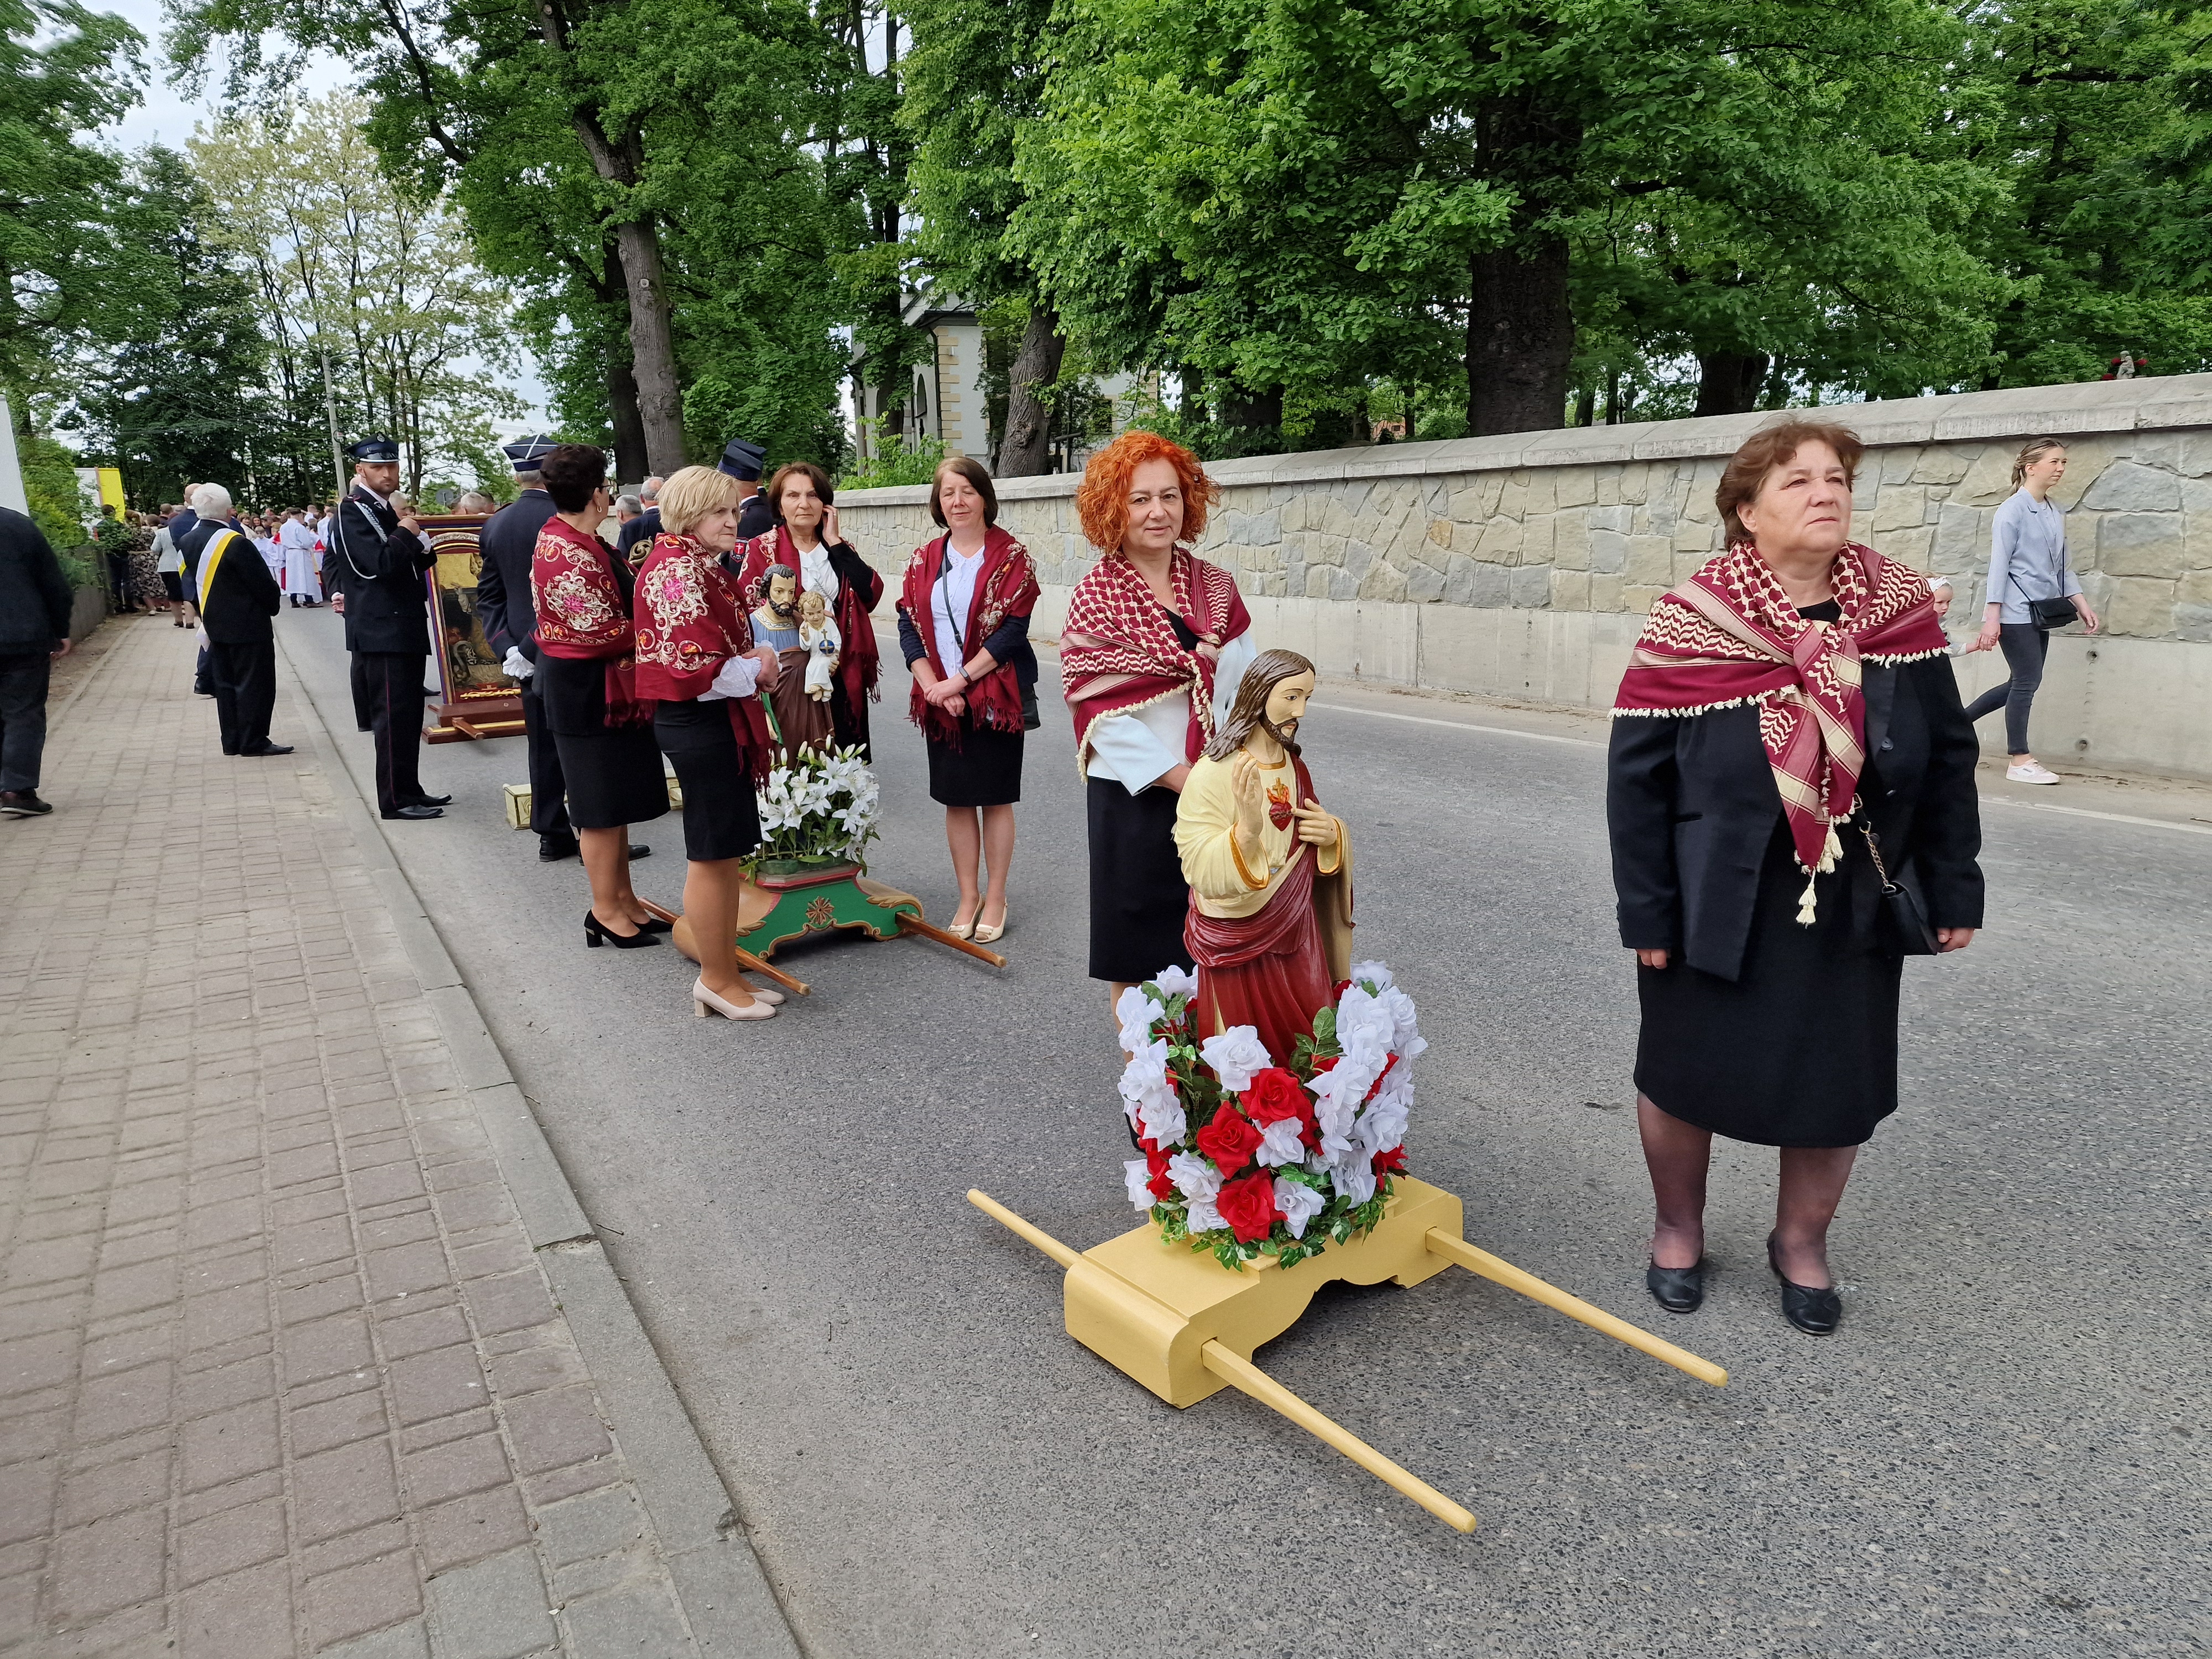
<point>1505,1273</point>
<point>747,959</point>
<point>910,923</point>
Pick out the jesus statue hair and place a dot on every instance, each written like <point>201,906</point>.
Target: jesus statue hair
<point>1248,713</point>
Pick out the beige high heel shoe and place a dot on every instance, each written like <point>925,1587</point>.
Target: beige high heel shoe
<point>766,993</point>
<point>986,934</point>
<point>703,1000</point>
<point>963,930</point>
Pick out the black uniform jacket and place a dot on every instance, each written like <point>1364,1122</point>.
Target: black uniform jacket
<point>1691,807</point>
<point>381,568</point>
<point>642,528</point>
<point>243,596</point>
<point>504,605</point>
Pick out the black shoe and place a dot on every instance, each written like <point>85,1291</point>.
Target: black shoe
<point>1677,1289</point>
<point>268,749</point>
<point>432,693</point>
<point>597,933</point>
<point>551,849</point>
<point>655,925</point>
<point>1815,1310</point>
<point>23,804</point>
<point>432,800</point>
<point>637,852</point>
<point>413,812</point>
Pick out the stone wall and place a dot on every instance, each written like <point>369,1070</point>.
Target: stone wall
<point>1522,565</point>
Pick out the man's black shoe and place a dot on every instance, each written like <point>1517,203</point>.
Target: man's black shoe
<point>267,749</point>
<point>23,804</point>
<point>417,812</point>
<point>432,800</point>
<point>551,849</point>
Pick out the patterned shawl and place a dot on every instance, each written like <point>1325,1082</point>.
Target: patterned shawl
<point>583,612</point>
<point>1730,635</point>
<point>1006,587</point>
<point>689,623</point>
<point>1118,652</point>
<point>857,665</point>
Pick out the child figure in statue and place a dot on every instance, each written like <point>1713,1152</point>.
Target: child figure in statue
<point>820,636</point>
<point>1270,872</point>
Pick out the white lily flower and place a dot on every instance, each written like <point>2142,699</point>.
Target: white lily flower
<point>1299,1204</point>
<point>1237,1055</point>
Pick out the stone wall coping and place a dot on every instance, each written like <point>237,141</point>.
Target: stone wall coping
<point>2144,404</point>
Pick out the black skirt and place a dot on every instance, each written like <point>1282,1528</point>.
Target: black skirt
<point>173,584</point>
<point>1801,1050</point>
<point>1139,898</point>
<point>613,777</point>
<point>985,770</point>
<point>721,814</point>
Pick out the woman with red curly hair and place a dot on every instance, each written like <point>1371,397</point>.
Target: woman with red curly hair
<point>1155,643</point>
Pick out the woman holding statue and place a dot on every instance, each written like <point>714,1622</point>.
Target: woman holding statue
<point>1792,808</point>
<point>695,654</point>
<point>806,540</point>
<point>963,618</point>
<point>1154,644</point>
<point>586,683</point>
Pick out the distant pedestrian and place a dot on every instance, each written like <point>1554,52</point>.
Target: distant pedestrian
<point>146,589</point>
<point>1792,809</point>
<point>112,537</point>
<point>169,566</point>
<point>236,596</point>
<point>296,544</point>
<point>35,602</point>
<point>2031,591</point>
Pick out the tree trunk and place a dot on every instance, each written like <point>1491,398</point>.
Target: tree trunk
<point>653,346</point>
<point>1520,336</point>
<point>1026,450</point>
<point>1729,381</point>
<point>1241,407</point>
<point>631,466</point>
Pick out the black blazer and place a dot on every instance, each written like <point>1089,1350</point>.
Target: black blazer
<point>388,608</point>
<point>244,595</point>
<point>35,600</point>
<point>1691,807</point>
<point>504,604</point>
<point>645,525</point>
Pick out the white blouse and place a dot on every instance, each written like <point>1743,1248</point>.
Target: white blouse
<point>952,596</point>
<point>1134,750</point>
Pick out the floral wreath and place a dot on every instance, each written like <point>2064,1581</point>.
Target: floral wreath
<point>1244,1157</point>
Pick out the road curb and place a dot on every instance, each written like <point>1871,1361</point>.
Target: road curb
<point>727,1594</point>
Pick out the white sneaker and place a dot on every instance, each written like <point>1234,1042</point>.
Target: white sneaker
<point>2033,772</point>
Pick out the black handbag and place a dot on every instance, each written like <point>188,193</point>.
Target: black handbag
<point>1908,924</point>
<point>2049,613</point>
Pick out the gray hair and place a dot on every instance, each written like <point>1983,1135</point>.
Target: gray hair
<point>530,481</point>
<point>473,501</point>
<point>211,502</point>
<point>628,505</point>
<point>650,490</point>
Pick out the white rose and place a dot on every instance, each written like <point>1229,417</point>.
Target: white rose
<point>1195,1178</point>
<point>1176,982</point>
<point>1237,1055</point>
<point>1137,1173</point>
<point>1299,1204</point>
<point>1202,1217</point>
<point>1279,1143</point>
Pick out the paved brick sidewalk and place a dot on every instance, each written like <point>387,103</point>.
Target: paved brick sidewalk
<point>281,1369</point>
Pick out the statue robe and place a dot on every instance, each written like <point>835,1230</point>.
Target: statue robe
<point>1269,927</point>
<point>800,719</point>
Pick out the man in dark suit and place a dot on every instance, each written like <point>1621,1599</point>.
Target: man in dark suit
<point>505,606</point>
<point>645,527</point>
<point>742,461</point>
<point>230,585</point>
<point>384,556</point>
<point>35,601</point>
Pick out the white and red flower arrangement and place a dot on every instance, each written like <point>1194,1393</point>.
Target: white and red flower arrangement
<point>1247,1155</point>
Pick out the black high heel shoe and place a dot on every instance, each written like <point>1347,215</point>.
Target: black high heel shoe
<point>1677,1289</point>
<point>655,925</point>
<point>1815,1310</point>
<point>597,933</point>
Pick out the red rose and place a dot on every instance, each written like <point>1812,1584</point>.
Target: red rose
<point>1228,1139</point>
<point>1248,1207</point>
<point>1390,1162</point>
<point>1274,1095</point>
<point>1159,1184</point>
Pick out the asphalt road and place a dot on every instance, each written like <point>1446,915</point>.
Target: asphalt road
<point>2002,1453</point>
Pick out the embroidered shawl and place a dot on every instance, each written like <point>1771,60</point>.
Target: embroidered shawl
<point>689,623</point>
<point>1119,654</point>
<point>1730,635</point>
<point>858,666</point>
<point>1006,585</point>
<point>583,613</point>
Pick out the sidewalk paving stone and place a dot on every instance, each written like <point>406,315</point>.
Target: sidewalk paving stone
<point>281,1372</point>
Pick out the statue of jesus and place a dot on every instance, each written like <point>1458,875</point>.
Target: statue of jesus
<point>1270,872</point>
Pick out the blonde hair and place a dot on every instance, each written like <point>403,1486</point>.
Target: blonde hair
<point>691,493</point>
<point>2030,452</point>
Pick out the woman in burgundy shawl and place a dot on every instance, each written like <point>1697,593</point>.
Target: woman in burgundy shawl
<point>586,683</point>
<point>1788,729</point>
<point>963,618</point>
<point>1154,645</point>
<point>806,538</point>
<point>695,655</point>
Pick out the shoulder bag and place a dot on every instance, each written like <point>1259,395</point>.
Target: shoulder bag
<point>2049,613</point>
<point>1908,923</point>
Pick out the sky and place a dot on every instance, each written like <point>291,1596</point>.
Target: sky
<point>165,116</point>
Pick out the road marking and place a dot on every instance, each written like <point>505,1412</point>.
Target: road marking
<point>1459,726</point>
<point>1585,743</point>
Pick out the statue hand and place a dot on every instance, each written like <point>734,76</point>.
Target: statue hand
<point>1315,827</point>
<point>1250,793</point>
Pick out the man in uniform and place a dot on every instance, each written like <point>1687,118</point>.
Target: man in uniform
<point>384,556</point>
<point>504,605</point>
<point>229,583</point>
<point>742,460</point>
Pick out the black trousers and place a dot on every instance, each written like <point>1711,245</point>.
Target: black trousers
<point>549,789</point>
<point>203,676</point>
<point>24,676</point>
<point>357,673</point>
<point>393,680</point>
<point>245,692</point>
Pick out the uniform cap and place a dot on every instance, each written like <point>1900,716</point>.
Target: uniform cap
<point>375,450</point>
<point>742,460</point>
<point>527,453</point>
